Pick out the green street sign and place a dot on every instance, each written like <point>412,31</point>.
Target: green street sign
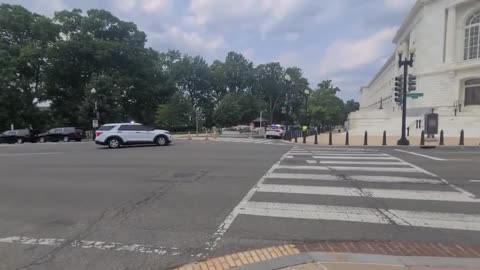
<point>414,95</point>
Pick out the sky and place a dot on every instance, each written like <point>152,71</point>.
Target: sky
<point>346,41</point>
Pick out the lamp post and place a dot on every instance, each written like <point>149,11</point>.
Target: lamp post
<point>307,93</point>
<point>405,63</point>
<point>288,80</point>
<point>95,112</point>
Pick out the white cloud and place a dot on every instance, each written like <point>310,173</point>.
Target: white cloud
<point>177,38</point>
<point>156,5</point>
<point>289,58</point>
<point>291,37</point>
<point>263,16</point>
<point>343,55</point>
<point>126,5</point>
<point>399,5</point>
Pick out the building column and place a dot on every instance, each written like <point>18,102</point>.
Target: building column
<point>451,35</point>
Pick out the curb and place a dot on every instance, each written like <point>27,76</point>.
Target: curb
<point>350,258</point>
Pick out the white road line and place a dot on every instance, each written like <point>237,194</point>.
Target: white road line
<point>475,181</point>
<point>345,168</point>
<point>311,161</point>
<point>424,195</point>
<point>319,212</point>
<point>223,228</point>
<point>353,155</point>
<point>289,157</point>
<point>459,189</point>
<point>148,249</point>
<point>30,154</point>
<point>362,178</point>
<point>362,162</point>
<point>420,155</point>
<point>345,157</point>
<point>365,215</point>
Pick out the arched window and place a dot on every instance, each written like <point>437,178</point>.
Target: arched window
<point>472,92</point>
<point>472,37</point>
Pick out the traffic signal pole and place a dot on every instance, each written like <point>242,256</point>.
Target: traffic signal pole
<point>405,64</point>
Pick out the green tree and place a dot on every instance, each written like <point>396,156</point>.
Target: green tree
<point>239,73</point>
<point>324,106</point>
<point>176,113</point>
<point>25,38</point>
<point>228,112</point>
<point>270,84</point>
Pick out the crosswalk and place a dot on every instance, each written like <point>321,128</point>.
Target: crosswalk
<point>357,186</point>
<point>254,141</point>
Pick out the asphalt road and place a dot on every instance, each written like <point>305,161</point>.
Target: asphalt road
<point>80,206</point>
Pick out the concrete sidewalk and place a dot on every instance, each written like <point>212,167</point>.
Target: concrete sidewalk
<point>350,261</point>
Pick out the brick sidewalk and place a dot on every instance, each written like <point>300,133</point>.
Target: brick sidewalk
<point>392,248</point>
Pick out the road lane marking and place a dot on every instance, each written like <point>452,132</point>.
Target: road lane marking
<point>223,228</point>
<point>339,157</point>
<point>30,154</point>
<point>319,212</point>
<point>459,189</point>
<point>345,168</point>
<point>364,215</point>
<point>475,181</point>
<point>362,178</point>
<point>420,155</point>
<point>311,161</point>
<point>148,249</point>
<point>424,195</point>
<point>347,154</point>
<point>363,162</point>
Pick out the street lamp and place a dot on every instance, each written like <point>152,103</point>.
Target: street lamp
<point>405,63</point>
<point>307,93</point>
<point>288,80</point>
<point>95,112</point>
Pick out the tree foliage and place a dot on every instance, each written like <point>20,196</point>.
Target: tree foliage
<point>60,60</point>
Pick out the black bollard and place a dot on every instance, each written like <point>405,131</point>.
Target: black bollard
<point>384,141</point>
<point>296,138</point>
<point>462,137</point>
<point>422,138</point>
<point>304,137</point>
<point>442,141</point>
<point>347,139</point>
<point>330,140</point>
<point>316,137</point>
<point>408,131</point>
<point>365,139</point>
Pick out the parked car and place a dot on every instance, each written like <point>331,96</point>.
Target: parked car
<point>275,131</point>
<point>118,134</point>
<point>62,134</point>
<point>19,136</point>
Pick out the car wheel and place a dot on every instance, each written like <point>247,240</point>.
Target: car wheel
<point>66,139</point>
<point>42,140</point>
<point>113,143</point>
<point>161,141</point>
<point>19,140</point>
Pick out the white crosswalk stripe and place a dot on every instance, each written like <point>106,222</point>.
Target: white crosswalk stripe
<point>340,175</point>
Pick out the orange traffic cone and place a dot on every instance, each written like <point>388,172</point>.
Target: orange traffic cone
<point>189,136</point>
<point>206,136</point>
<point>215,135</point>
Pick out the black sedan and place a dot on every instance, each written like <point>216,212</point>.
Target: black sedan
<point>64,134</point>
<point>19,136</point>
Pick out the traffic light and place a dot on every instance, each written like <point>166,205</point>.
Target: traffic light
<point>412,83</point>
<point>398,89</point>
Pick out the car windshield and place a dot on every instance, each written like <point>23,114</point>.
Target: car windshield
<point>240,134</point>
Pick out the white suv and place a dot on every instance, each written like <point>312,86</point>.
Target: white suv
<point>116,135</point>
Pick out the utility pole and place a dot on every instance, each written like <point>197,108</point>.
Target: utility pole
<point>405,63</point>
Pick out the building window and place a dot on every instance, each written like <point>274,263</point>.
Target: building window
<point>472,92</point>
<point>472,37</point>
